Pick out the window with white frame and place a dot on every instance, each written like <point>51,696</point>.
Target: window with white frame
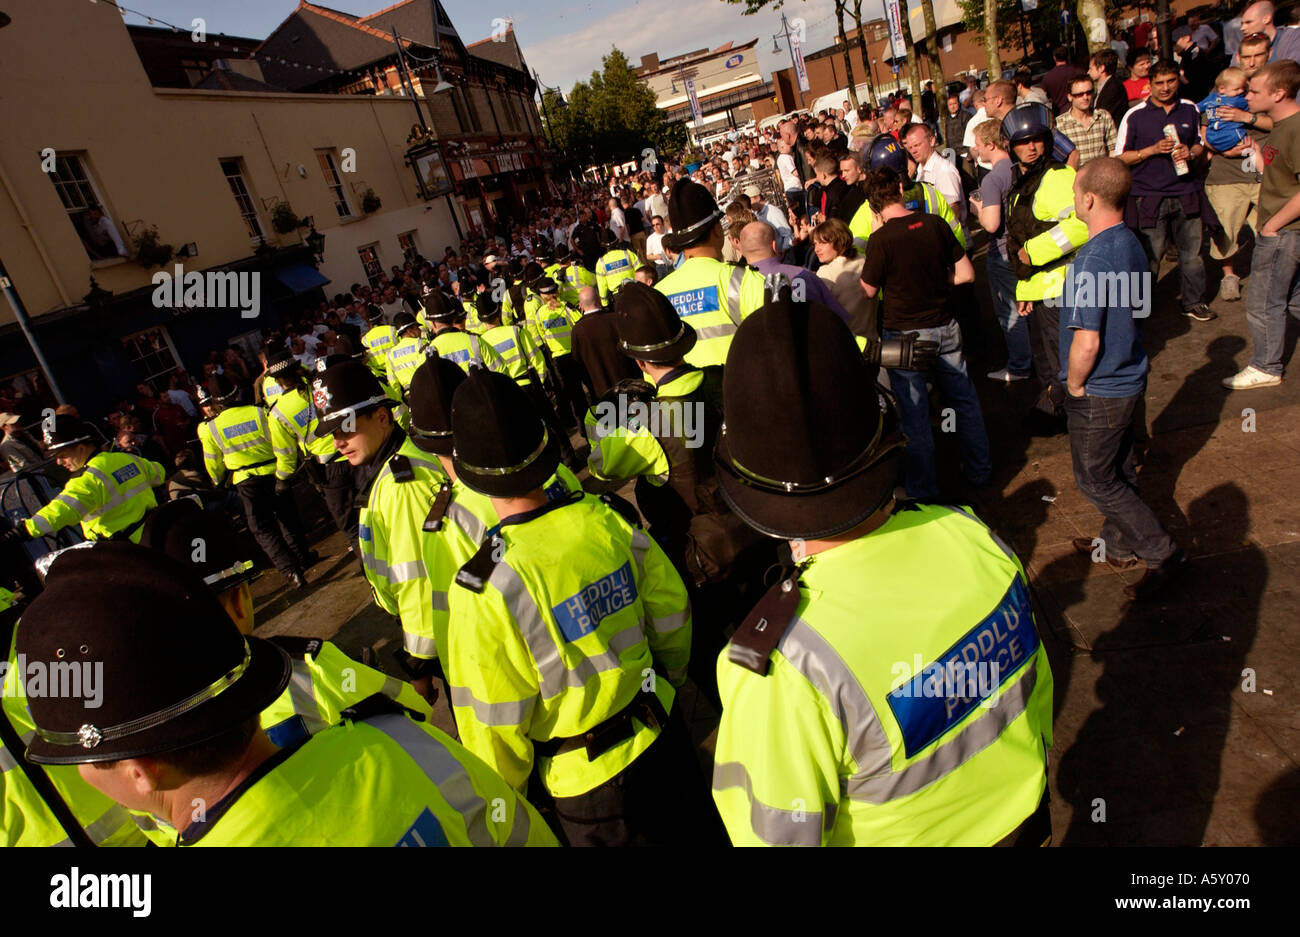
<point>153,356</point>
<point>334,182</point>
<point>232,169</point>
<point>369,254</point>
<point>80,198</point>
<point>406,242</point>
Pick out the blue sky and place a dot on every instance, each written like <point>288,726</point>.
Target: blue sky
<point>562,39</point>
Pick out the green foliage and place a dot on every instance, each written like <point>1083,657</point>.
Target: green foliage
<point>370,201</point>
<point>283,219</point>
<point>1044,25</point>
<point>611,117</point>
<point>148,252</point>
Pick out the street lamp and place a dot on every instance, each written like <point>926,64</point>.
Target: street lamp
<point>316,242</point>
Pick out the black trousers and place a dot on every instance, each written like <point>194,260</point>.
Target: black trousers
<point>572,395</point>
<point>547,411</point>
<point>337,485</point>
<point>1045,343</point>
<point>662,798</point>
<point>274,523</point>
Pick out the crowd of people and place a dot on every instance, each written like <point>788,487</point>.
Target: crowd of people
<point>752,338</point>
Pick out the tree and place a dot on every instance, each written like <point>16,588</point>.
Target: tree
<point>932,55</point>
<point>1092,17</point>
<point>913,71</point>
<point>1043,25</point>
<point>991,38</point>
<point>840,11</point>
<point>866,52</point>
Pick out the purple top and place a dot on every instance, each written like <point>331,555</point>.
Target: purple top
<point>815,287</point>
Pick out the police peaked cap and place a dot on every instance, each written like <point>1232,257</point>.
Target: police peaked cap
<point>374,313</point>
<point>809,446</point>
<point>68,430</point>
<point>516,267</point>
<point>545,285</point>
<point>503,448</point>
<point>692,212</point>
<point>343,390</point>
<point>608,237</point>
<point>176,672</point>
<point>649,328</point>
<point>201,540</point>
<point>218,390</point>
<point>429,397</point>
<point>403,321</point>
<point>279,360</point>
<point>485,306</point>
<point>440,308</point>
<point>562,252</point>
<point>532,271</point>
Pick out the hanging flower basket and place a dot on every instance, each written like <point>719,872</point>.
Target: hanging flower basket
<point>370,201</point>
<point>284,220</point>
<point>148,252</point>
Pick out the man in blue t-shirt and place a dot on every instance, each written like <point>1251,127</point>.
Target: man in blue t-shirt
<point>1104,369</point>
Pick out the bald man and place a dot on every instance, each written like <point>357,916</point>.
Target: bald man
<point>595,345</point>
<point>1258,18</point>
<point>758,244</point>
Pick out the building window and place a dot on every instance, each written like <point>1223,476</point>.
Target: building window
<point>334,182</point>
<point>369,254</point>
<point>98,233</point>
<point>407,243</point>
<point>511,109</point>
<point>468,100</point>
<point>462,121</point>
<point>243,198</point>
<point>153,356</point>
<point>195,70</point>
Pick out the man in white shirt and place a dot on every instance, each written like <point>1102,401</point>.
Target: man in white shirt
<point>617,220</point>
<point>391,303</point>
<point>918,140</point>
<point>849,115</point>
<point>100,235</point>
<point>772,215</point>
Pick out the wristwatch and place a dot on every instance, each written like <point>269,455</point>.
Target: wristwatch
<point>1254,118</point>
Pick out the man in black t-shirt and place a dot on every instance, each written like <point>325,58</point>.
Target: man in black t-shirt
<point>915,259</point>
<point>586,240</point>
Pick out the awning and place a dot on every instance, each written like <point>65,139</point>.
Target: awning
<point>300,277</point>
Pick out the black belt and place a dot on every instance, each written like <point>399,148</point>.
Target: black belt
<point>617,728</point>
<point>245,468</point>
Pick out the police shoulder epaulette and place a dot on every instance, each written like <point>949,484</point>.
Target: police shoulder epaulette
<point>438,510</point>
<point>623,507</point>
<point>296,647</point>
<point>478,569</point>
<point>400,466</point>
<point>758,635</point>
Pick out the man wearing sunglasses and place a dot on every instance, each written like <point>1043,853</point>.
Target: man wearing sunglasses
<point>1091,131</point>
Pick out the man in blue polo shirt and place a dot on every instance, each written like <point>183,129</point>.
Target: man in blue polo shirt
<point>1164,205</point>
<point>1104,369</point>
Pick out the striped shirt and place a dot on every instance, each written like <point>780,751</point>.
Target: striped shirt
<point>1097,139</point>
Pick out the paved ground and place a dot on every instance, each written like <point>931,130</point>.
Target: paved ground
<point>1179,722</point>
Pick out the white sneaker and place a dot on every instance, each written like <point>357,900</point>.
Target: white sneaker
<point>1249,377</point>
<point>1006,376</point>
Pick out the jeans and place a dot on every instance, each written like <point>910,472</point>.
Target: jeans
<point>1185,231</point>
<point>956,389</point>
<point>1272,289</point>
<point>1015,327</point>
<point>1101,449</point>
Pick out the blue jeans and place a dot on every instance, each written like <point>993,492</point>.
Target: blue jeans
<point>1172,224</point>
<point>1015,327</point>
<point>956,389</point>
<point>1273,287</point>
<point>1101,449</point>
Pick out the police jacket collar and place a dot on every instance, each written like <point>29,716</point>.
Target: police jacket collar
<point>1021,174</point>
<point>195,831</point>
<point>676,374</point>
<point>366,474</point>
<point>523,517</point>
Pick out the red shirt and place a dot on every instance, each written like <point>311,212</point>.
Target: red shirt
<point>1138,89</point>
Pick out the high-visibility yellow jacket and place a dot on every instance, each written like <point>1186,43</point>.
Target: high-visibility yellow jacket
<point>110,495</point>
<point>574,277</point>
<point>404,359</point>
<point>518,351</point>
<point>1040,217</point>
<point>25,818</point>
<point>511,315</point>
<point>465,349</point>
<point>294,432</point>
<point>891,712</point>
<point>377,341</point>
<point>237,440</point>
<point>554,327</point>
<point>580,614</point>
<point>384,781</point>
<point>714,297</point>
<point>922,197</point>
<point>613,269</point>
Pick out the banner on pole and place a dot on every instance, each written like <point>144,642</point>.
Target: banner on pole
<point>897,50</point>
<point>800,70</point>
<point>695,101</point>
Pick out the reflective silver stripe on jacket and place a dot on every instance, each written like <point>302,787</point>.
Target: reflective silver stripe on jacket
<point>114,818</point>
<point>73,503</point>
<point>118,497</point>
<point>715,331</point>
<point>555,674</point>
<point>733,294</point>
<point>772,825</point>
<point>515,713</point>
<point>418,645</point>
<point>466,520</point>
<point>302,693</point>
<point>397,573</point>
<point>444,770</point>
<point>669,623</point>
<point>7,760</point>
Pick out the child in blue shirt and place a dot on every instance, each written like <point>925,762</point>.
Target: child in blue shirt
<point>1229,91</point>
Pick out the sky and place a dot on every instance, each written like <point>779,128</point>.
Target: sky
<point>563,40</point>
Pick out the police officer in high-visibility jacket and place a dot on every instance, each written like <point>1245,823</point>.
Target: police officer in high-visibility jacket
<point>711,295</point>
<point>378,341</point>
<point>407,355</point>
<point>295,435</point>
<point>451,341</point>
<point>553,323</point>
<point>570,632</point>
<point>1042,237</point>
<point>860,703</point>
<point>519,301</point>
<point>615,267</point>
<point>573,275</point>
<point>885,151</point>
<point>236,443</point>
<point>183,722</point>
<point>109,494</point>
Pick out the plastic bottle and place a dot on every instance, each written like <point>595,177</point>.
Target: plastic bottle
<point>1171,133</point>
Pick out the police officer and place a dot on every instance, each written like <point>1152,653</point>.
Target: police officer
<point>519,302</point>
<point>236,443</point>
<point>714,296</point>
<point>615,267</point>
<point>886,152</point>
<point>670,455</point>
<point>553,323</point>
<point>179,721</point>
<point>296,434</point>
<point>378,341</point>
<point>109,493</point>
<point>861,705</point>
<point>407,355</point>
<point>570,632</point>
<point>573,275</point>
<point>1042,236</point>
<point>451,341</point>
